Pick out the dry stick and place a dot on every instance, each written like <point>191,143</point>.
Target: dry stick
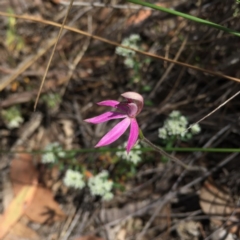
<point>139,51</point>
<point>77,59</point>
<point>75,62</point>
<point>161,202</point>
<point>71,215</point>
<point>79,56</point>
<point>180,75</point>
<point>73,219</point>
<point>176,160</point>
<point>169,68</point>
<point>80,219</point>
<point>164,106</point>
<point>29,18</point>
<point>26,64</point>
<point>221,105</point>
<point>169,196</point>
<point>51,56</point>
<point>173,39</point>
<point>23,66</point>
<point>73,66</point>
<point>191,216</point>
<point>225,223</point>
<point>28,129</point>
<point>197,155</point>
<point>80,123</point>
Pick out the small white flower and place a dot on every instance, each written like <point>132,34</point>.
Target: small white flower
<point>101,186</point>
<point>74,179</point>
<point>61,154</point>
<point>12,117</point>
<point>134,38</point>
<point>176,124</point>
<point>195,129</point>
<point>129,62</point>
<point>131,42</point>
<point>174,114</point>
<point>53,153</point>
<point>125,52</point>
<point>133,156</point>
<point>108,196</point>
<point>183,121</point>
<point>15,123</point>
<point>48,157</point>
<point>162,133</point>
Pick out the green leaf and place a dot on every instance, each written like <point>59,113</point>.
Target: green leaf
<point>186,16</point>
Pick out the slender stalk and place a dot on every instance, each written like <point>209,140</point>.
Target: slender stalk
<point>144,149</point>
<point>162,152</point>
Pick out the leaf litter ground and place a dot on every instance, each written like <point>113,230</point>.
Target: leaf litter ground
<point>161,200</point>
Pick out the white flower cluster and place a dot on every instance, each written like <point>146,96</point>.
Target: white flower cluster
<point>133,156</point>
<point>74,179</point>
<point>12,117</point>
<point>53,152</point>
<point>195,129</point>
<point>176,124</point>
<point>132,42</point>
<point>15,123</point>
<point>99,185</point>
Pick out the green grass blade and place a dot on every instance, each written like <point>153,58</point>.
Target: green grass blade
<point>186,16</point>
<point>145,149</point>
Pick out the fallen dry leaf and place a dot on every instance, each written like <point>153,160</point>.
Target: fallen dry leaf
<point>22,171</point>
<point>214,201</point>
<point>218,202</point>
<point>16,209</point>
<point>20,231</point>
<point>43,208</point>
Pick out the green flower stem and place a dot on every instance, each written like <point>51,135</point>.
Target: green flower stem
<point>214,150</point>
<point>186,16</point>
<point>145,149</point>
<point>162,152</point>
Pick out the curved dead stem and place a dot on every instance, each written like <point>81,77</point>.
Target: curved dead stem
<point>34,19</point>
<point>51,56</point>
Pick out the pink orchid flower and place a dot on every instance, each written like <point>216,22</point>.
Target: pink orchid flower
<point>128,110</point>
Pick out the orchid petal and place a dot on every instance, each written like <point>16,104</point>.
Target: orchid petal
<point>108,103</point>
<point>112,103</point>
<point>132,109</point>
<point>133,136</point>
<point>115,133</point>
<point>105,117</point>
<point>134,96</point>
